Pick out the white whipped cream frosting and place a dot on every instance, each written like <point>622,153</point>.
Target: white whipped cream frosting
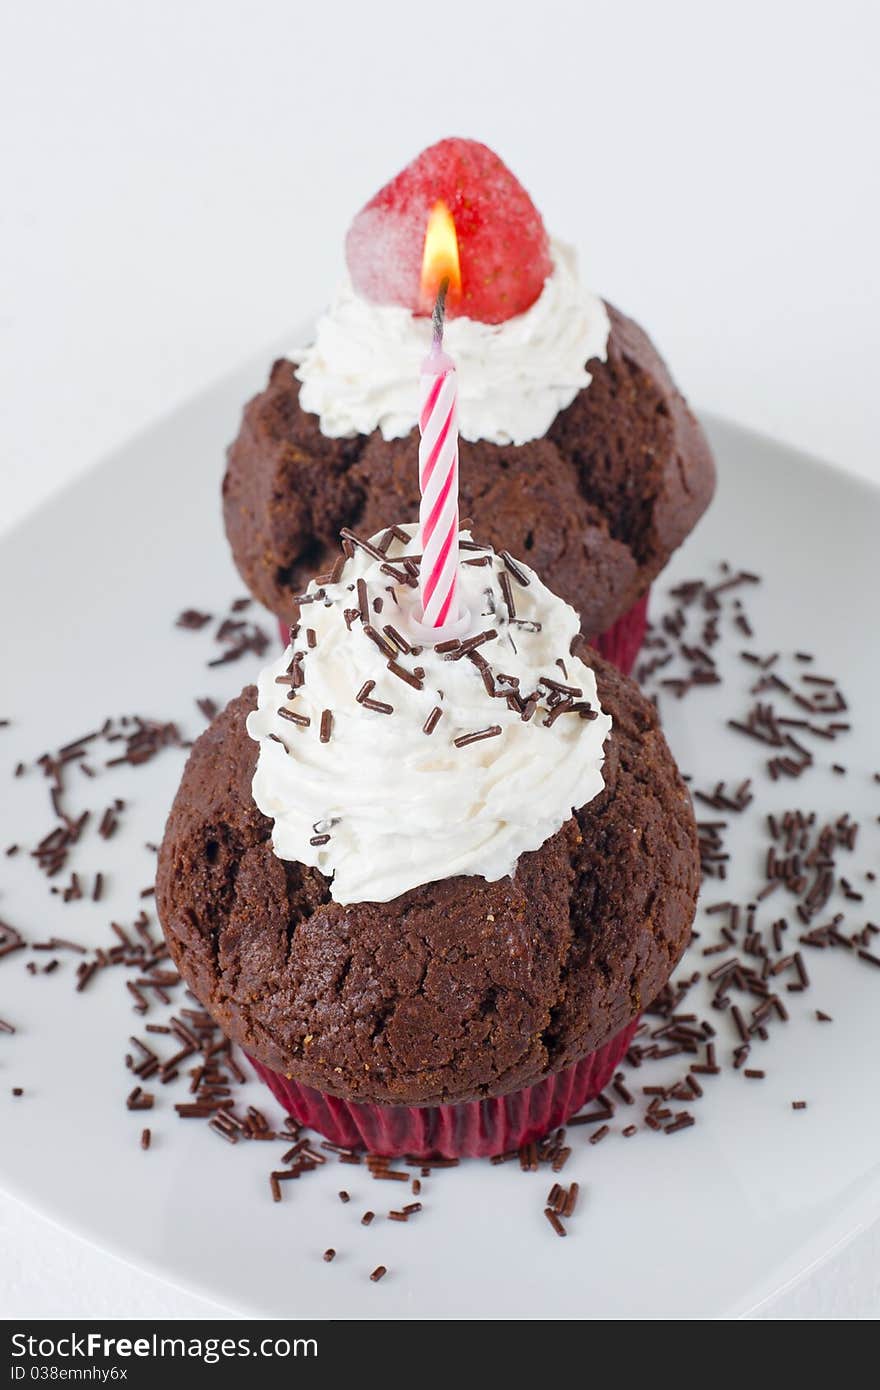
<point>361,371</point>
<point>382,807</point>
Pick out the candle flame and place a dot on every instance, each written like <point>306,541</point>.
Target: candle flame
<point>440,258</point>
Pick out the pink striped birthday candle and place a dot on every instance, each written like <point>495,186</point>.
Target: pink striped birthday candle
<point>438,480</point>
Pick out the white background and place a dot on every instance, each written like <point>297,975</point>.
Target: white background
<point>175,183</point>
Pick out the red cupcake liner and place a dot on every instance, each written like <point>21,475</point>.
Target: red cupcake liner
<point>619,644</point>
<point>476,1129</point>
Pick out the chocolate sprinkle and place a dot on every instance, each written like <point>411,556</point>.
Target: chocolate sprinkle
<point>507,592</point>
<point>519,574</point>
<point>363,698</point>
<point>432,720</point>
<point>381,642</point>
<point>372,550</point>
<point>397,638</point>
<point>469,645</point>
<point>10,940</point>
<point>477,736</point>
<point>554,1221</point>
<point>192,620</point>
<point>408,676</point>
<point>363,601</point>
<point>301,720</point>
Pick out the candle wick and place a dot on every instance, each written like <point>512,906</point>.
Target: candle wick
<point>439,315</point>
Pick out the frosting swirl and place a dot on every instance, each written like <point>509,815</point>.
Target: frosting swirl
<point>514,377</point>
<point>386,763</point>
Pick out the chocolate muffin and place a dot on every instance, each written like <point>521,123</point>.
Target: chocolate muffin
<point>597,504</point>
<point>458,989</point>
<point>428,885</point>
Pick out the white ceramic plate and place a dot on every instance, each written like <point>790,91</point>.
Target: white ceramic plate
<point>708,1222</point>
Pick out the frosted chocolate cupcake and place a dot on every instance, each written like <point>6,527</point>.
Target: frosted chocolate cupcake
<point>429,889</point>
<point>577,448</point>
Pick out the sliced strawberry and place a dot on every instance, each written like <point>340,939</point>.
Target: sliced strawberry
<point>503,247</point>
